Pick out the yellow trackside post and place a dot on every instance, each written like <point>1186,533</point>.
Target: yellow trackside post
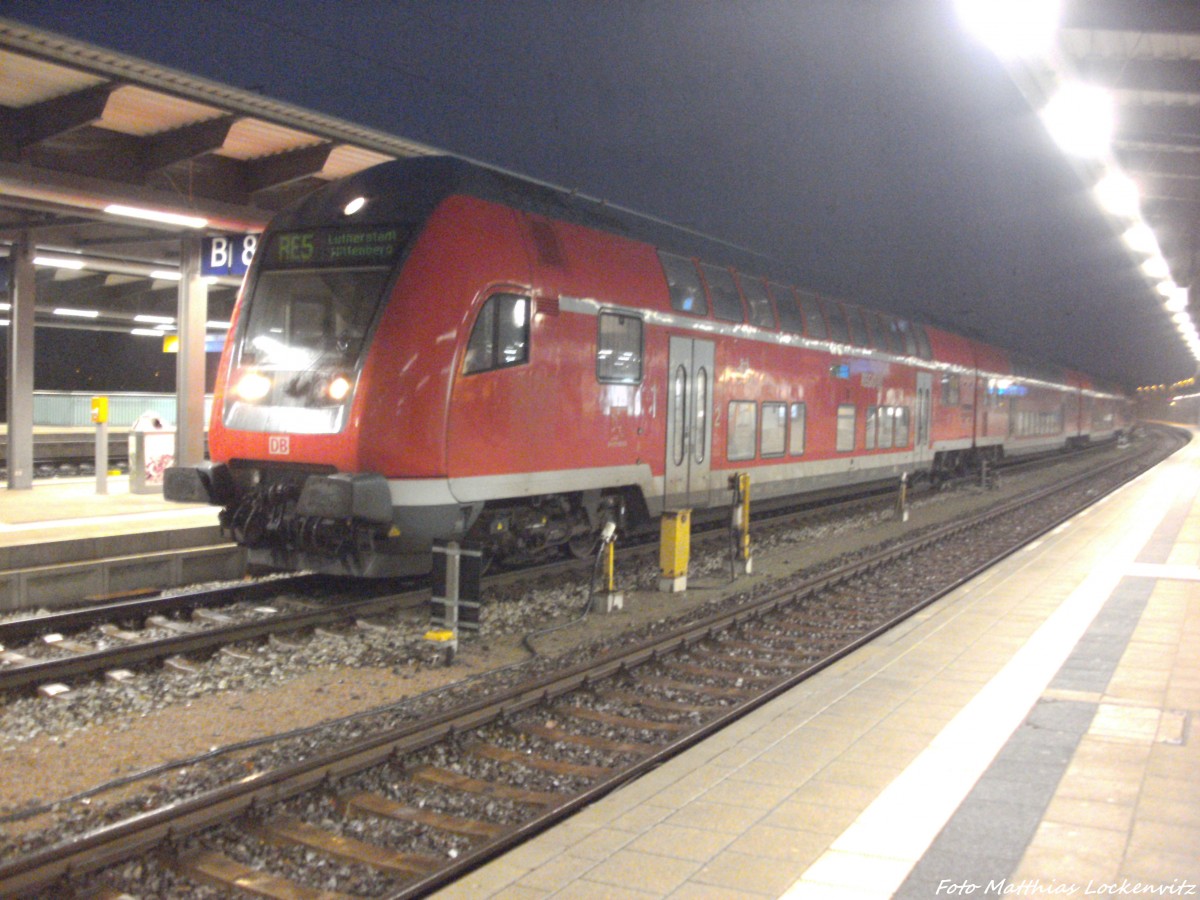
<point>674,550</point>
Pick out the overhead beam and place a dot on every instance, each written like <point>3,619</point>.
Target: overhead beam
<point>181,144</point>
<point>1175,76</point>
<point>1159,124</point>
<point>1163,16</point>
<point>281,168</point>
<point>23,128</point>
<point>1160,161</point>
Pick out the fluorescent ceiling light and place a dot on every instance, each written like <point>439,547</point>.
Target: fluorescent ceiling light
<point>5,307</point>
<point>1080,118</point>
<point>146,332</point>
<point>77,313</point>
<point>58,262</point>
<point>225,325</point>
<point>1167,287</point>
<point>1178,300</point>
<point>155,320</point>
<point>1011,27</point>
<point>156,215</point>
<point>166,275</point>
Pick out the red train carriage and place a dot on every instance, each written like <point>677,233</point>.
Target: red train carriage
<point>431,349</point>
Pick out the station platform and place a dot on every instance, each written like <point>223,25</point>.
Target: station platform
<point>61,542</point>
<point>1034,733</point>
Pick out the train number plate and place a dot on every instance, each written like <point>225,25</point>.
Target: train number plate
<point>279,445</point>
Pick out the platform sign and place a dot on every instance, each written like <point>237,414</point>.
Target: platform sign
<point>227,254</point>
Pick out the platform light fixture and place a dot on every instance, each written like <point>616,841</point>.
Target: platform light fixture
<point>1177,301</point>
<point>1011,28</point>
<point>1156,267</point>
<point>58,262</point>
<point>154,320</point>
<point>77,313</point>
<point>354,206</point>
<point>1081,118</point>
<point>155,215</point>
<point>1140,239</point>
<point>1118,195</point>
<point>166,275</point>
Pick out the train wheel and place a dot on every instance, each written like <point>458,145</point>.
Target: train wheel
<point>582,546</point>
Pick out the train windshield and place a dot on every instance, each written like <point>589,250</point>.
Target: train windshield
<point>297,320</point>
<point>303,329</point>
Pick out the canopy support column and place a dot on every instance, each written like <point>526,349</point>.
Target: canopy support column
<point>189,372</point>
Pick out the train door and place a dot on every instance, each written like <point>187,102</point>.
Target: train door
<point>689,423</point>
<point>921,452</point>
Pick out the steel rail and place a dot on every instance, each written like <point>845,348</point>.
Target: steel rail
<point>115,843</point>
<point>66,668</point>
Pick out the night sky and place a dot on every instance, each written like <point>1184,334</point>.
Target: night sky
<point>870,143</point>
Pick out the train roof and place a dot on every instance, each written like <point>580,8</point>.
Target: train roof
<point>408,190</point>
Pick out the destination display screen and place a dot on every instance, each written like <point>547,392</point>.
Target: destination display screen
<point>376,245</point>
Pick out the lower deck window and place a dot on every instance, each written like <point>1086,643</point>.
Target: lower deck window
<point>846,422</point>
<point>743,429</point>
<point>796,427</point>
<point>774,429</point>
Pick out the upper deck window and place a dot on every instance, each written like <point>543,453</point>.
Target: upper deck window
<point>790,318</point>
<point>727,302</point>
<point>759,302</point>
<point>837,321</point>
<point>683,281</point>
<point>814,320</point>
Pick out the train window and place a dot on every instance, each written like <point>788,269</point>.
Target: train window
<point>836,320</point>
<point>679,438</point>
<point>774,429</point>
<point>700,447</point>
<point>796,425</point>
<point>901,426</point>
<point>814,320</point>
<point>950,390</point>
<point>500,337</point>
<point>856,326</point>
<point>879,331</point>
<point>789,314</point>
<point>906,333</point>
<point>743,429</point>
<point>726,301</point>
<point>619,349</point>
<point>846,422</point>
<point>891,334</point>
<point>759,302</point>
<point>872,425</point>
<point>923,348</point>
<point>887,428</point>
<point>683,281</point>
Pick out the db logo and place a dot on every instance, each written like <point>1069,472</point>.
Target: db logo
<point>279,445</point>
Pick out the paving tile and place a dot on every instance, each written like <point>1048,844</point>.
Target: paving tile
<point>641,818</point>
<point>585,889</point>
<point>693,891</point>
<point>796,847</point>
<point>648,872</point>
<point>737,792</point>
<point>745,873</point>
<point>1073,811</point>
<point>1160,837</point>
<point>820,818</point>
<point>682,843</point>
<point>723,817</point>
<point>554,874</point>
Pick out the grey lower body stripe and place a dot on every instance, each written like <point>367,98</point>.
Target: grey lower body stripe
<point>985,839</point>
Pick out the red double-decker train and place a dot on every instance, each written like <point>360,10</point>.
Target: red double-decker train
<point>432,349</point>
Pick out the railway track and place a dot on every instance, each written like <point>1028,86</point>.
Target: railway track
<point>114,637</point>
<point>420,802</point>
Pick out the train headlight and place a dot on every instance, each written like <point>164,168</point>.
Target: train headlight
<point>338,388</point>
<point>252,386</point>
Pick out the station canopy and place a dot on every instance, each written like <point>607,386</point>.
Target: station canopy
<point>84,130</point>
